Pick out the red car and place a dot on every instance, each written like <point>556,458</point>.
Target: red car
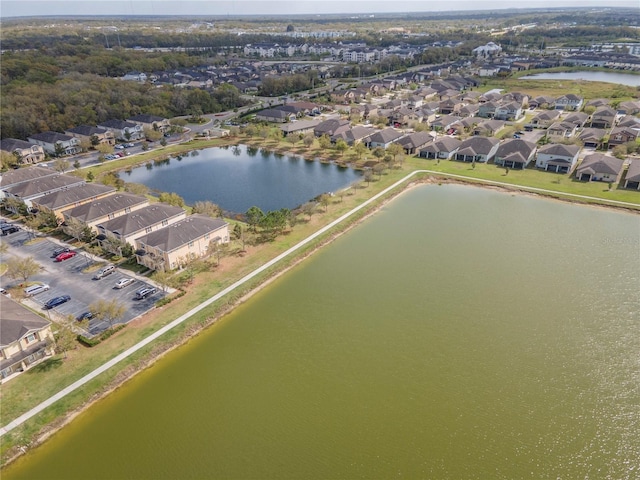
<point>65,255</point>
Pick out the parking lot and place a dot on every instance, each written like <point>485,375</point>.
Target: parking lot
<point>74,277</point>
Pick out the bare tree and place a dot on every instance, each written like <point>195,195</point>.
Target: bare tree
<point>22,268</point>
<point>108,310</point>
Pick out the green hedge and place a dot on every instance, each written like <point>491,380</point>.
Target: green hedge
<point>92,342</point>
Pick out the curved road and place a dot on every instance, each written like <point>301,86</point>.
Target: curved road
<point>114,361</point>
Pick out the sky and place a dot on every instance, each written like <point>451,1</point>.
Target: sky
<point>17,8</point>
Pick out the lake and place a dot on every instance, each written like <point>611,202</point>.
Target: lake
<point>594,76</point>
<point>458,333</point>
<point>238,178</point>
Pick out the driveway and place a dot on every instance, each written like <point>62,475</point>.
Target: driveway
<point>74,277</point>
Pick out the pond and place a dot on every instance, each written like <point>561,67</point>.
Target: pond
<point>237,178</point>
<point>593,76</point>
<point>460,333</point>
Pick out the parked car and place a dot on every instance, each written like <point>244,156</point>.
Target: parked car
<point>65,256</point>
<point>8,228</point>
<point>35,289</point>
<point>144,292</point>
<point>84,316</point>
<point>60,250</point>
<point>129,145</point>
<point>103,272</point>
<point>56,301</point>
<point>119,147</point>
<point>4,291</point>
<point>124,282</point>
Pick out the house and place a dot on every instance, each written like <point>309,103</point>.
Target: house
<point>331,127</point>
<point>105,209</point>
<point>469,110</point>
<point>441,148</point>
<point>25,152</point>
<point>592,137</point>
<point>488,128</point>
<point>171,247</point>
<point>40,186</point>
<point>354,135</point>
<point>630,107</point>
<point>450,106</point>
<point>577,118</point>
<point>558,158</point>
<point>26,339</point>
<point>542,101</point>
<point>603,117</point>
<point>56,202</point>
<point>515,153</point>
<point>143,221</point>
<point>508,111</point>
<point>600,167</point>
<point>622,135</point>
<point>299,128</point>
<point>383,138</point>
<point>275,115</point>
<point>153,122</point>
<point>135,77</point>
<point>629,121</point>
<point>415,141</point>
<point>561,130</point>
<point>596,103</point>
<point>632,179</point>
<point>545,118</point>
<point>125,131</point>
<point>488,109</point>
<point>569,101</point>
<point>92,135</point>
<point>55,143</point>
<point>24,176</point>
<point>489,50</point>
<point>443,122</point>
<point>477,149</point>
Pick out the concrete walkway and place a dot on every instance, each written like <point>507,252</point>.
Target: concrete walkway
<point>114,361</point>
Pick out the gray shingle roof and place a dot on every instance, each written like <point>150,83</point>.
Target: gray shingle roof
<point>71,196</point>
<point>11,144</point>
<point>477,145</point>
<point>87,130</point>
<point>599,163</point>
<point>180,233</point>
<point>104,206</point>
<point>51,137</point>
<point>559,149</point>
<point>633,174</point>
<point>17,321</point>
<point>42,185</point>
<point>14,177</point>
<point>385,136</point>
<point>142,218</point>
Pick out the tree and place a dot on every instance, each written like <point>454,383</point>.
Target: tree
<point>108,310</point>
<point>65,339</point>
<point>22,268</point>
<point>171,199</point>
<point>78,230</point>
<point>76,164</point>
<point>254,217</point>
<point>104,148</point>
<point>90,176</point>
<point>309,209</point>
<point>359,149</point>
<point>136,188</point>
<point>325,200</point>
<point>8,160</point>
<point>207,208</point>
<point>368,176</point>
<point>308,139</point>
<point>163,142</point>
<point>152,135</point>
<point>378,152</point>
<point>324,141</point>
<point>162,278</point>
<point>15,205</point>
<point>341,146</point>
<point>394,150</point>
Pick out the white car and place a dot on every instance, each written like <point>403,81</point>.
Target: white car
<point>119,147</point>
<point>123,282</point>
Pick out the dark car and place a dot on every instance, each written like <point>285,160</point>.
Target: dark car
<point>85,315</point>
<point>8,228</point>
<point>145,292</point>
<point>56,301</point>
<point>60,250</point>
